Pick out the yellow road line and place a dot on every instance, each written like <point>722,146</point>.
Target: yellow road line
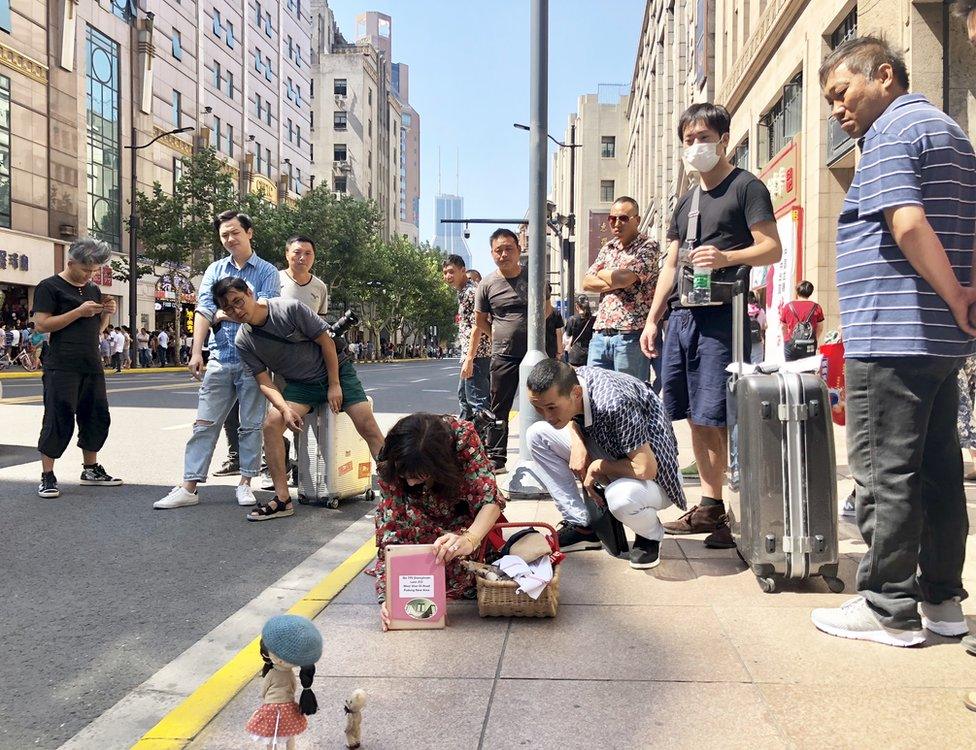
<point>178,728</point>
<point>108,373</point>
<point>40,399</point>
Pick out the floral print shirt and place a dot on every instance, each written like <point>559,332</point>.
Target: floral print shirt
<point>626,309</point>
<point>465,322</point>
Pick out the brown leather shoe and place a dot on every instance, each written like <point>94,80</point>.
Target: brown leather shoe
<point>721,538</point>
<point>698,520</point>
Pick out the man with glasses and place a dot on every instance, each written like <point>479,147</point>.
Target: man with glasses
<point>624,274</point>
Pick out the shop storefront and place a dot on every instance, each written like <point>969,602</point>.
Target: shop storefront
<point>175,301</point>
<point>775,285</point>
<point>24,261</point>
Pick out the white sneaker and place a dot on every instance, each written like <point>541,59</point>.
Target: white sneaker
<point>245,495</point>
<point>177,498</point>
<point>945,618</point>
<point>854,619</point>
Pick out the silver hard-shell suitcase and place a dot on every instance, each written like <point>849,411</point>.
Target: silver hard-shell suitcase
<point>334,462</point>
<point>783,492</point>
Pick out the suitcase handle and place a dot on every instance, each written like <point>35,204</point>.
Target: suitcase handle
<point>738,303</point>
<point>552,538</point>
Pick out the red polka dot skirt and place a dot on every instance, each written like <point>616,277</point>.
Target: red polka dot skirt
<point>277,720</point>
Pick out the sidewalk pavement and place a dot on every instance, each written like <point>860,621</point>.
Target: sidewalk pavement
<point>688,654</point>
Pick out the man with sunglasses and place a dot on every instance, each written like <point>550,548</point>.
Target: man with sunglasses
<point>624,274</point>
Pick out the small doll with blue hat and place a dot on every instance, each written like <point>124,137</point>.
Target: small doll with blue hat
<point>287,642</point>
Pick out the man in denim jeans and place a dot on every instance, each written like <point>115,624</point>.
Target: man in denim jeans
<point>624,274</point>
<point>472,391</point>
<point>225,380</point>
<point>904,280</point>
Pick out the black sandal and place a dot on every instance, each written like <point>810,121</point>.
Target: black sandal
<point>274,509</point>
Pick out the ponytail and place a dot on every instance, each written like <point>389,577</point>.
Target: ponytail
<point>307,702</point>
<point>268,666</point>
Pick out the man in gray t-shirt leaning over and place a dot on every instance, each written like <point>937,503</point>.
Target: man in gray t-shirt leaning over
<point>288,338</point>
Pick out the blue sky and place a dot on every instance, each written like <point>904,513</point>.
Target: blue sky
<point>469,68</point>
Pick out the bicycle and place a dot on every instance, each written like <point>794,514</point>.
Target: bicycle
<point>23,358</point>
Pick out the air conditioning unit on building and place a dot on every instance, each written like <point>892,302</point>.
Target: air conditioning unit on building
<point>341,166</point>
<point>340,100</point>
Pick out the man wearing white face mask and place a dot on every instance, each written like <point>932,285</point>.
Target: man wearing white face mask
<point>735,227</point>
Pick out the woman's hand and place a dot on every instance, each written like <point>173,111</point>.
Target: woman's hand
<point>384,616</point>
<point>449,546</point>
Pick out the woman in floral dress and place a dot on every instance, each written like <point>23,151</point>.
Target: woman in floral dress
<point>966,421</point>
<point>436,487</point>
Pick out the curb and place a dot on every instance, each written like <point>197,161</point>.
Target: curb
<point>181,725</point>
<point>181,368</point>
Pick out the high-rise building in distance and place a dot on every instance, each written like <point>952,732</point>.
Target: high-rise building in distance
<point>450,237</point>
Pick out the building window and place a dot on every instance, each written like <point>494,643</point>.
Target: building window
<point>230,84</point>
<point>339,120</point>
<point>258,106</point>
<point>259,154</point>
<point>267,161</point>
<point>339,152</point>
<point>297,186</point>
<point>218,130</point>
<point>298,135</point>
<point>103,97</point>
<point>177,171</point>
<point>846,30</point>
<point>230,35</point>
<point>369,124</point>
<point>783,121</point>
<point>608,146</point>
<point>291,130</point>
<point>267,112</point>
<point>177,109</point>
<point>177,45</point>
<point>339,87</point>
<point>268,70</point>
<point>369,97</point>
<point>258,16</point>
<point>339,184</point>
<point>216,25</point>
<point>218,76</point>
<point>230,139</point>
<point>121,8</point>
<point>268,26</point>
<point>606,191</point>
<point>740,156</point>
<point>4,151</point>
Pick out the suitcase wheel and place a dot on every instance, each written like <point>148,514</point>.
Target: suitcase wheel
<point>835,584</point>
<point>369,495</point>
<point>767,584</point>
<point>303,500</point>
<point>331,502</point>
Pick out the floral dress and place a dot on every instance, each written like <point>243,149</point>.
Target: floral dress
<point>421,518</point>
<point>967,389</point>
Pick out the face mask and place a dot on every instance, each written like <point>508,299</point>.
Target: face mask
<point>701,157</point>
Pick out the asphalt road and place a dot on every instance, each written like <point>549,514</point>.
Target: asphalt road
<point>98,590</point>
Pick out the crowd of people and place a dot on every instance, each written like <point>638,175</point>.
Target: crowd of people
<point>617,377</point>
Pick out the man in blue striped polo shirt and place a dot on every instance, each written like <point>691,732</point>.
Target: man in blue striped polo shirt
<point>904,262</point>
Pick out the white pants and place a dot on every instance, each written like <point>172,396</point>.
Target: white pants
<point>634,502</point>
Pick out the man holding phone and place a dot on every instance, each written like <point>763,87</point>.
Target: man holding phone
<point>72,309</point>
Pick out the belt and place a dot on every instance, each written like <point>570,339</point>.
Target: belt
<point>611,331</point>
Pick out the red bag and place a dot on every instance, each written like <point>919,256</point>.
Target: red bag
<point>832,372</point>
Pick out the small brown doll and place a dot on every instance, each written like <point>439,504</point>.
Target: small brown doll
<point>287,642</point>
<point>354,718</point>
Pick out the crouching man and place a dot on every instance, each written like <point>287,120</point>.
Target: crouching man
<point>286,337</point>
<point>610,428</point>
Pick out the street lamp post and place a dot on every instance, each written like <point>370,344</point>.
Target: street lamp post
<point>568,244</point>
<point>134,231</point>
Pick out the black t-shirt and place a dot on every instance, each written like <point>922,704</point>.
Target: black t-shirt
<point>727,213</point>
<point>553,323</point>
<point>74,347</point>
<point>580,331</point>
<point>507,301</point>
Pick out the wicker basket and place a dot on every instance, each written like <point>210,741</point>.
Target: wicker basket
<point>502,599</point>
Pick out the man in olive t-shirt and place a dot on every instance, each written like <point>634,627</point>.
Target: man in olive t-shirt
<point>502,311</point>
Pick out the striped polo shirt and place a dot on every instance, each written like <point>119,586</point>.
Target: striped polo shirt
<point>914,154</point>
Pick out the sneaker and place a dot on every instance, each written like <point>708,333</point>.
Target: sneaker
<point>267,483</point>
<point>944,619</point>
<point>48,486</point>
<point>848,510</point>
<point>721,538</point>
<point>699,520</point>
<point>228,468</point>
<point>689,474</point>
<point>245,495</point>
<point>969,643</point>
<point>498,467</point>
<point>95,474</point>
<point>577,538</point>
<point>645,554</point>
<point>177,498</point>
<point>854,619</point>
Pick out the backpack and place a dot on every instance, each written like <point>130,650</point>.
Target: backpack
<point>803,340</point>
<point>755,329</point>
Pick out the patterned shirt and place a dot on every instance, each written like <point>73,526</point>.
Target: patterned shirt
<point>621,414</point>
<point>465,322</point>
<point>263,279</point>
<point>626,309</point>
<point>913,155</point>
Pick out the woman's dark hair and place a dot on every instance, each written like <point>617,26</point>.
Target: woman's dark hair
<point>224,216</point>
<point>421,444</point>
<point>583,303</point>
<point>227,284</point>
<point>753,299</point>
<point>307,702</point>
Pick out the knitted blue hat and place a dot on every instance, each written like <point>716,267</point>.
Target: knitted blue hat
<point>293,638</point>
